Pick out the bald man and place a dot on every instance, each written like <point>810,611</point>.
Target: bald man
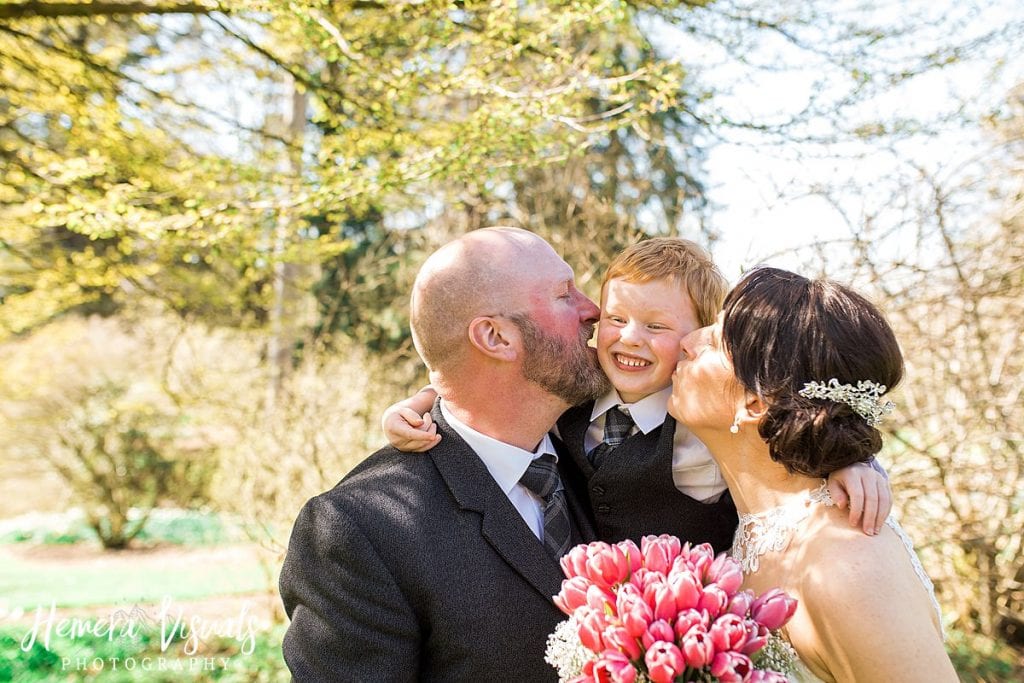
<point>443,567</point>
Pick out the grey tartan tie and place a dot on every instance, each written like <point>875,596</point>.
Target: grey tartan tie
<point>617,425</point>
<point>541,478</point>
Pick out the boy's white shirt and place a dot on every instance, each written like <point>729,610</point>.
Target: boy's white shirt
<point>694,471</point>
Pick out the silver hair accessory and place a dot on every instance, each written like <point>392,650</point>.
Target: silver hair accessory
<point>863,398</point>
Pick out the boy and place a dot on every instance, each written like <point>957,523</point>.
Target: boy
<point>645,474</point>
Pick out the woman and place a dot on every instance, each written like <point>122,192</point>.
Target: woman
<point>757,389</point>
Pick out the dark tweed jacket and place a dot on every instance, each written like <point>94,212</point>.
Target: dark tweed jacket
<point>632,494</point>
<point>419,568</point>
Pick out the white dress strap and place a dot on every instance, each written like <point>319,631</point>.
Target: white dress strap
<point>918,568</point>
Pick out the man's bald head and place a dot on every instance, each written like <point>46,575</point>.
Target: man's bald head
<point>481,273</point>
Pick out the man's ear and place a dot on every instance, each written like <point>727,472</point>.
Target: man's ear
<point>494,337</point>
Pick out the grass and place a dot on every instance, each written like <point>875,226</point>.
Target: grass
<point>28,584</point>
<point>177,527</point>
<point>55,560</point>
<point>143,658</point>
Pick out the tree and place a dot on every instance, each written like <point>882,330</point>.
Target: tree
<point>93,410</point>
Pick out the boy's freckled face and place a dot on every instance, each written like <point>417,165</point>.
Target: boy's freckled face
<point>639,333</point>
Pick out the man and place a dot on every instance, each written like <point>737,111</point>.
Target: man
<point>443,567</point>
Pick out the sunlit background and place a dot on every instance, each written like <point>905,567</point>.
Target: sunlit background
<point>211,214</point>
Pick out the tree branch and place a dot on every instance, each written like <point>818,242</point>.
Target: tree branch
<point>33,8</point>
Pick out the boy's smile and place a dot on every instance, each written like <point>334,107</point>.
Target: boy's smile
<point>639,333</point>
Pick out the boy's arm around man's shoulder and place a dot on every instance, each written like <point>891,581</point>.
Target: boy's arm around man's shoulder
<point>349,618</point>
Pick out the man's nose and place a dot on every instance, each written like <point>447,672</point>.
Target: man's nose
<point>589,312</point>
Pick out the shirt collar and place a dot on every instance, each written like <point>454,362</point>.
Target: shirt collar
<point>505,462</point>
<point>648,413</point>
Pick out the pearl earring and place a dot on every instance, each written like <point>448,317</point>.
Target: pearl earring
<point>735,429</point>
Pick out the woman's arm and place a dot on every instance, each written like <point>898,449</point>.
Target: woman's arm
<point>872,617</point>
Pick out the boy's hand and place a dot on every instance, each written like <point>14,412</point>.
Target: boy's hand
<point>408,425</point>
<point>866,491</point>
<point>409,431</point>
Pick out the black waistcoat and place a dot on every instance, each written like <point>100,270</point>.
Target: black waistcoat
<point>632,494</point>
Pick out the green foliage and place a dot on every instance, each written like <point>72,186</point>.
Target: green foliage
<point>984,660</point>
<point>162,526</point>
<point>229,664</point>
<point>118,183</point>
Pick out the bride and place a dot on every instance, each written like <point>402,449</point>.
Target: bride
<point>784,389</point>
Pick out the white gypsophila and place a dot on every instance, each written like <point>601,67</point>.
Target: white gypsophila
<point>776,655</point>
<point>565,652</point>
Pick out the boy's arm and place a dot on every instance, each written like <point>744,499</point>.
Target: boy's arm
<point>408,425</point>
<point>864,487</point>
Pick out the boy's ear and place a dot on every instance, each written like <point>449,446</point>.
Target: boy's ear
<point>494,337</point>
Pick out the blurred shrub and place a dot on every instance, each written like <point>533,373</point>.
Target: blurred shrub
<point>157,411</point>
<point>84,397</point>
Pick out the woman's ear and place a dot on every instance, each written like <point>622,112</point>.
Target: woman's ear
<point>753,408</point>
<point>493,337</point>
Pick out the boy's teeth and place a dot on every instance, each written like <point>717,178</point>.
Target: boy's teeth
<point>632,362</point>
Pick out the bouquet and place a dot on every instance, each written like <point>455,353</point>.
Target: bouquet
<point>665,612</point>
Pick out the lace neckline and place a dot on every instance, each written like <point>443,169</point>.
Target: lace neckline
<point>769,531</point>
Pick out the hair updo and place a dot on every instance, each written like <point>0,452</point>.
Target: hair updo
<point>783,330</point>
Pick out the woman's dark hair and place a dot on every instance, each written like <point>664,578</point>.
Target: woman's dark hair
<point>781,331</point>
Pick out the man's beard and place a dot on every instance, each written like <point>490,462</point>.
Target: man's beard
<point>567,370</point>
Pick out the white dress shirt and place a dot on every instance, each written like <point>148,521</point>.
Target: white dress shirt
<point>507,464</point>
<point>694,471</point>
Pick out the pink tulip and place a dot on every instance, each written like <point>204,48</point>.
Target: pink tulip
<point>634,613</point>
<point>633,555</point>
<point>618,638</point>
<point>642,578</point>
<point>588,673</point>
<point>658,631</point>
<point>757,637</point>
<point>661,599</point>
<point>592,625</point>
<point>700,558</point>
<point>728,632</point>
<point>659,552</point>
<point>697,647</point>
<point>686,588</point>
<point>725,572</point>
<point>600,599</point>
<point>713,600</point>
<point>740,603</point>
<point>773,609</point>
<point>572,595</point>
<point>664,662</point>
<point>613,667</point>
<point>574,561</point>
<point>732,667</point>
<point>609,567</point>
<point>687,619</point>
<point>759,676</point>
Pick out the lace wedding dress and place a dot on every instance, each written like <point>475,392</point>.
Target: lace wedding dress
<point>770,531</point>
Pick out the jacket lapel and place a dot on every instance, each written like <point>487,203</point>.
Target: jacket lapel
<point>474,489</point>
